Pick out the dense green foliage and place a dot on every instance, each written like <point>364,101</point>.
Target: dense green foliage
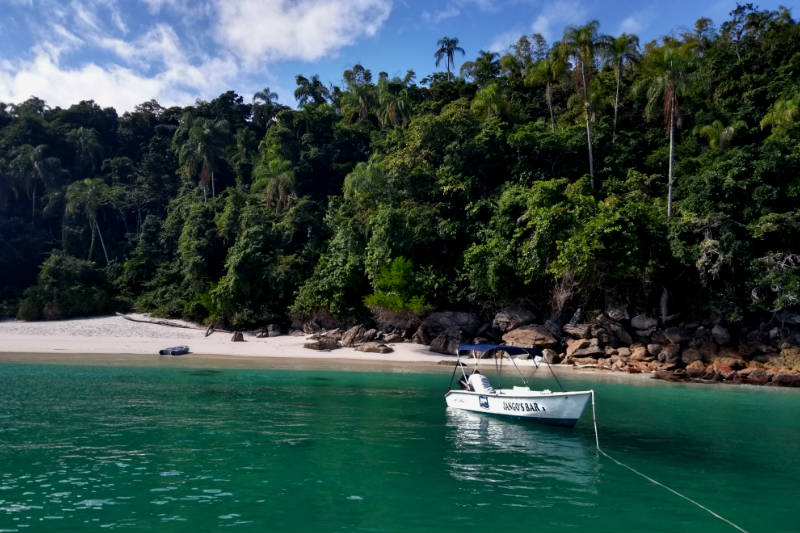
<point>578,174</point>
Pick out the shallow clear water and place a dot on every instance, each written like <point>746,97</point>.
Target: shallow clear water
<point>89,448</point>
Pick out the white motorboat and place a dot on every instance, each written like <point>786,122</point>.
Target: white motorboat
<point>521,402</point>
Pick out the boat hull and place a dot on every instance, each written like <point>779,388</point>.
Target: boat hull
<point>554,408</point>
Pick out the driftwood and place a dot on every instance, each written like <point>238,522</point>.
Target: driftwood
<point>160,322</point>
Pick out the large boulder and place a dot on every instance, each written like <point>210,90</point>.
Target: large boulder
<point>676,335</point>
<point>374,347</point>
<point>437,323</point>
<point>643,322</point>
<point>691,355</point>
<point>577,348</point>
<point>639,353</point>
<point>720,335</point>
<point>577,331</point>
<point>786,379</point>
<point>323,344</point>
<point>615,328</point>
<point>238,336</point>
<point>669,353</point>
<point>755,375</point>
<point>696,369</point>
<point>530,335</point>
<point>354,335</point>
<point>512,318</point>
<point>447,342</point>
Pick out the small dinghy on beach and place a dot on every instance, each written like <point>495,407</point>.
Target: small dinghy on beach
<point>520,402</point>
<point>174,350</point>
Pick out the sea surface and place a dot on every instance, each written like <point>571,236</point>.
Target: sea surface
<point>98,448</point>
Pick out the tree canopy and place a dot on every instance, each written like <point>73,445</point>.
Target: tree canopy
<point>557,176</point>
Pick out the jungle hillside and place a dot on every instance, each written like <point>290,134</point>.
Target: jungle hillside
<point>579,174</point>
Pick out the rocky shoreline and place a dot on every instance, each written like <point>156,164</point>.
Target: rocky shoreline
<point>706,351</point>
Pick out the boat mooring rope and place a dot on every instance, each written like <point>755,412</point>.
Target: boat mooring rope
<point>655,482</point>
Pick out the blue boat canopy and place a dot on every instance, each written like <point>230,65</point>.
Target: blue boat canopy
<point>464,349</point>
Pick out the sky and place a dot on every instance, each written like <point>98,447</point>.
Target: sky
<point>121,53</point>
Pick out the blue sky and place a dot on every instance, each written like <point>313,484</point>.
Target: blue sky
<point>124,52</point>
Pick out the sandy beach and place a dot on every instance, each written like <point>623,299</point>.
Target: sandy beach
<point>113,340</point>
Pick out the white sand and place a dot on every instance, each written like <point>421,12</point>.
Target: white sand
<point>116,335</point>
<point>113,340</point>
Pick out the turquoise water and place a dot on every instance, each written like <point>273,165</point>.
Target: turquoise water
<point>86,448</point>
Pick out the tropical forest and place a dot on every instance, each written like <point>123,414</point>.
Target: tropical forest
<point>590,173</point>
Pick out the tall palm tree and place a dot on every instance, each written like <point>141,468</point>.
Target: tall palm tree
<point>580,43</point>
<point>29,166</point>
<point>447,48</point>
<point>548,70</point>
<point>310,92</point>
<point>619,52</point>
<point>88,149</point>
<point>89,195</point>
<point>668,74</point>
<point>200,145</point>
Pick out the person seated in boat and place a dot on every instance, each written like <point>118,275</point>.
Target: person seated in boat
<point>462,381</point>
<point>480,383</point>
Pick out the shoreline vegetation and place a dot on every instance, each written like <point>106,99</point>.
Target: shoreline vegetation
<point>625,206</point>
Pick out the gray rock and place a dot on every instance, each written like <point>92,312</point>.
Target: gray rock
<point>511,318</point>
<point>618,312</point>
<point>623,351</point>
<point>530,335</point>
<point>437,323</point>
<point>669,353</point>
<point>274,330</point>
<point>675,335</point>
<point>583,348</point>
<point>691,355</point>
<point>374,347</point>
<point>643,322</point>
<point>654,349</point>
<point>354,335</point>
<point>554,328</point>
<point>551,356</point>
<point>789,318</point>
<point>577,331</point>
<point>720,335</point>
<point>237,337</point>
<point>447,342</point>
<point>645,333</point>
<point>323,344</point>
<point>393,337</point>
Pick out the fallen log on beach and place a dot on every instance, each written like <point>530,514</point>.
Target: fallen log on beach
<point>161,322</point>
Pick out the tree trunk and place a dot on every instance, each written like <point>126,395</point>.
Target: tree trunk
<point>33,204</point>
<point>91,243</point>
<point>616,107</point>
<point>589,143</point>
<point>671,152</point>
<point>548,92</point>
<point>102,243</point>
<point>213,195</point>
<point>587,109</point>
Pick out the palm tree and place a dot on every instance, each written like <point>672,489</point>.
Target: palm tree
<point>393,104</point>
<point>669,72</point>
<point>88,149</point>
<point>719,136</point>
<point>89,195</point>
<point>548,71</point>
<point>782,116</point>
<point>580,43</point>
<point>483,69</point>
<point>310,92</point>
<point>29,165</point>
<point>619,52</point>
<point>447,48</point>
<point>489,100</point>
<point>200,145</point>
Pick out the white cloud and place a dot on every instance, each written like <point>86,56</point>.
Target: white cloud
<point>636,22</point>
<point>258,31</point>
<point>501,43</point>
<point>453,9</point>
<point>553,18</point>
